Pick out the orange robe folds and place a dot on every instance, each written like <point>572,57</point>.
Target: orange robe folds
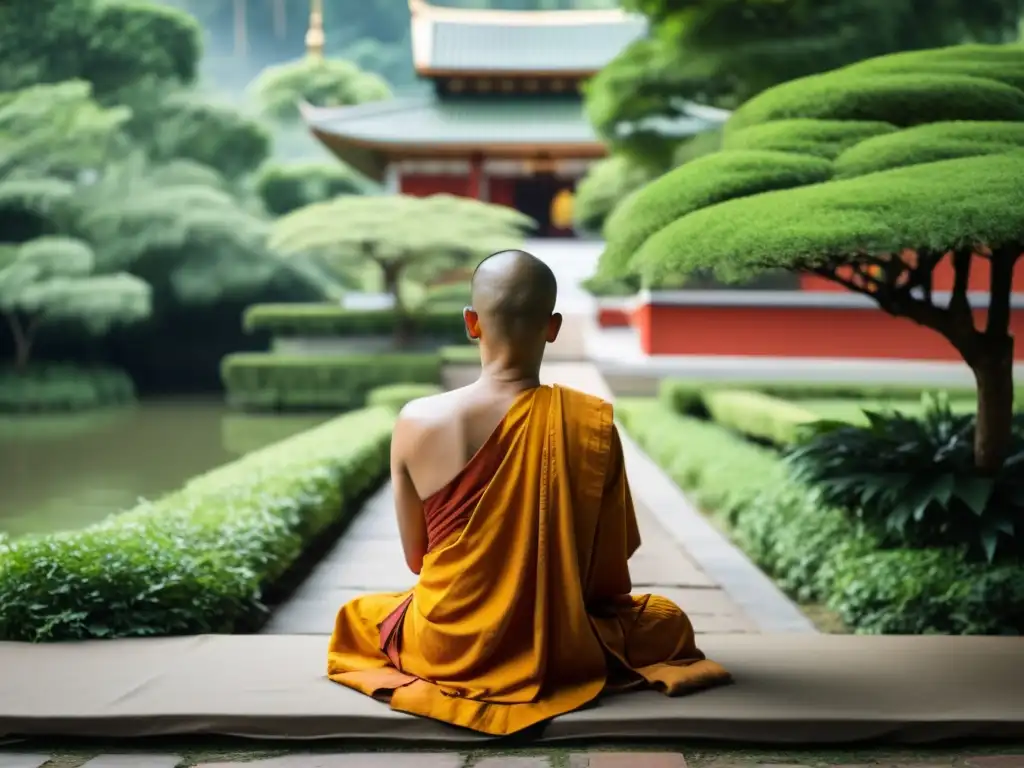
<point>523,609</point>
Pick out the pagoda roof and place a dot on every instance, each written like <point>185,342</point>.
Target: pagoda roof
<point>367,135</point>
<point>454,41</point>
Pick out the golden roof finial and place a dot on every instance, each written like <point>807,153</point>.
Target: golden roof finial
<point>315,32</point>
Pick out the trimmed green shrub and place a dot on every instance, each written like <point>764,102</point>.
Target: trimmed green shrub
<point>821,138</point>
<point>395,396</point>
<point>319,320</point>
<point>607,183</point>
<point>902,100</point>
<point>63,388</point>
<point>913,482</point>
<point>928,144</point>
<point>938,206</point>
<point>757,415</point>
<point>197,560</point>
<point>465,354</point>
<point>599,286</point>
<point>285,187</point>
<point>267,381</point>
<point>816,553</point>
<point>1003,63</point>
<point>703,182</point>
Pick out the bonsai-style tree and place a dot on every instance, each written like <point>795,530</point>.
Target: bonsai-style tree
<point>52,278</point>
<point>316,81</point>
<point>606,184</point>
<point>898,203</point>
<point>404,237</point>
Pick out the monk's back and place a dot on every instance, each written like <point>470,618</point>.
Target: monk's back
<point>449,429</point>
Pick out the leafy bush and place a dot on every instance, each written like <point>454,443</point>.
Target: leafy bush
<point>912,481</point>
<point>599,286</point>
<point>313,320</point>
<point>197,560</point>
<point>465,354</point>
<point>703,182</point>
<point>757,415</point>
<point>898,99</point>
<point>822,138</point>
<point>268,381</point>
<point>447,299</point>
<point>395,396</point>
<point>606,184</point>
<point>63,388</point>
<point>285,187</point>
<point>815,552</point>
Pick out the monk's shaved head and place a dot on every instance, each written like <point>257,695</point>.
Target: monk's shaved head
<point>514,293</point>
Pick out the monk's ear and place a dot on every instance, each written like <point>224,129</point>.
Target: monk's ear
<point>472,320</point>
<point>554,326</point>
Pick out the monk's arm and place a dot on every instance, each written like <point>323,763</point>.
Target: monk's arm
<point>412,525</point>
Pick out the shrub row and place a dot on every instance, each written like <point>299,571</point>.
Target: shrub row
<point>443,323</point>
<point>818,554</point>
<point>197,560</point>
<point>268,381</point>
<point>62,388</point>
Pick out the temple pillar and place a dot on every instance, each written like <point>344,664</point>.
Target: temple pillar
<point>392,179</point>
<point>476,188</point>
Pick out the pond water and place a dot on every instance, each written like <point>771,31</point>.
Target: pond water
<point>65,472</point>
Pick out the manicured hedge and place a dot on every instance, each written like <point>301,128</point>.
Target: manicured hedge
<point>805,136</point>
<point>268,381</point>
<point>443,323</point>
<point>817,554</point>
<point>468,354</point>
<point>63,388</point>
<point>395,396</point>
<point>197,560</point>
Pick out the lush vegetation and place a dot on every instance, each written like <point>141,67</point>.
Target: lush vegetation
<point>62,388</point>
<point>305,321</point>
<point>200,559</point>
<point>821,514</point>
<point>881,212</point>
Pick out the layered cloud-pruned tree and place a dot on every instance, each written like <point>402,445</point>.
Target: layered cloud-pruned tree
<point>404,237</point>
<point>947,187</point>
<point>284,187</point>
<point>606,184</point>
<point>279,89</point>
<point>50,279</point>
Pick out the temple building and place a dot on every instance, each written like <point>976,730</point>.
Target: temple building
<point>503,119</point>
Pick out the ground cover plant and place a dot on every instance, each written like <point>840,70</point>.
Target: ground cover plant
<point>197,560</point>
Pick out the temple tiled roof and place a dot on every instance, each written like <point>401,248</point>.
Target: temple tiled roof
<point>519,42</point>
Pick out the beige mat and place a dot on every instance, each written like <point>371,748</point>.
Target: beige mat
<point>789,688</point>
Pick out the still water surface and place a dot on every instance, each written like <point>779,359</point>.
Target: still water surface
<point>65,472</point>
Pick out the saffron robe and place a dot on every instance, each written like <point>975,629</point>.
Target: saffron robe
<point>523,610</point>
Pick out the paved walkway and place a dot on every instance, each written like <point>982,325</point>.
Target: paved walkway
<point>369,558</point>
<point>704,758</point>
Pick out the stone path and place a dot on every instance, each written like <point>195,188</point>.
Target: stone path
<point>523,759</point>
<point>369,558</point>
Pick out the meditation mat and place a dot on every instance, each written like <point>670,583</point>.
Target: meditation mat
<point>788,689</point>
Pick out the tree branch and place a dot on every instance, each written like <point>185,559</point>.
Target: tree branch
<point>959,304</point>
<point>1003,262</point>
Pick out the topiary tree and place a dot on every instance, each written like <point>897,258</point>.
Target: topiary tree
<point>881,234</point>
<point>53,278</point>
<point>821,138</point>
<point>285,187</point>
<point>607,182</point>
<point>402,236</point>
<point>280,89</point>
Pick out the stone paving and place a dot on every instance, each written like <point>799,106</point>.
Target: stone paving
<point>526,759</point>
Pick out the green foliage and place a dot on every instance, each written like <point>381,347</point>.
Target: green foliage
<point>447,295</point>
<point>912,481</point>
<point>463,354</point>
<point>821,138</point>
<point>62,388</point>
<point>703,182</point>
<point>319,320</point>
<point>197,560</point>
<point>1003,63</point>
<point>757,415</point>
<point>929,143</point>
<point>404,236</point>
<point>319,82</point>
<point>939,206</point>
<point>901,100</point>
<point>267,381</point>
<point>607,182</point>
<point>599,285</point>
<point>395,396</point>
<point>285,187</point>
<point>817,553</point>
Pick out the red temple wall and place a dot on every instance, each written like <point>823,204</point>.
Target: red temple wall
<point>774,331</point>
<point>942,278</point>
<point>423,185</point>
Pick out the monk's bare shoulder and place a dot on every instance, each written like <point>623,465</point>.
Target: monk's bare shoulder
<point>433,409</point>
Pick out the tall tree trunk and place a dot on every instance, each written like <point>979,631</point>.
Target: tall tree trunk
<point>23,335</point>
<point>993,435</point>
<point>393,285</point>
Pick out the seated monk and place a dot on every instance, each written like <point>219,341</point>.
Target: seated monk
<point>515,513</point>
